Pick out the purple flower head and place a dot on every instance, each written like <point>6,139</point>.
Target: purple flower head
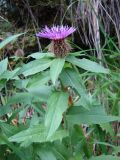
<point>56,32</point>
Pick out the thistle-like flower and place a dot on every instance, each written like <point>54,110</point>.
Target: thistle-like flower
<point>59,46</point>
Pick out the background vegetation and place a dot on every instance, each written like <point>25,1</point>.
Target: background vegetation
<point>60,108</point>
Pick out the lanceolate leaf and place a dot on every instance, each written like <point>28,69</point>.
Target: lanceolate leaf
<point>8,129</point>
<point>87,65</point>
<point>96,115</point>
<point>39,79</point>
<point>56,68</point>
<point>71,78</point>
<point>40,91</point>
<point>9,39</point>
<point>24,97</point>
<point>39,55</point>
<point>37,133</point>
<point>35,66</point>
<point>57,105</point>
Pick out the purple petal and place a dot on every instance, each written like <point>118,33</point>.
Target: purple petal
<point>56,32</point>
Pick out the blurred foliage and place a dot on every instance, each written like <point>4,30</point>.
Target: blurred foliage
<point>60,109</point>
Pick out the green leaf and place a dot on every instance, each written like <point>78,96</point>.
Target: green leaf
<point>61,151</point>
<point>45,154</point>
<point>21,83</point>
<point>9,39</point>
<point>105,144</point>
<point>35,67</point>
<point>96,115</point>
<point>4,110</point>
<point>37,133</point>
<point>37,85</point>
<point>87,65</point>
<point>105,157</point>
<point>2,84</point>
<point>42,91</point>
<point>57,105</point>
<point>79,141</point>
<point>76,157</point>
<point>8,130</point>
<point>39,79</point>
<point>25,98</point>
<point>9,74</point>
<point>39,55</point>
<point>56,68</point>
<point>71,78</point>
<point>3,65</point>
<point>107,128</point>
<point>118,134</point>
<point>15,149</point>
<point>116,149</point>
